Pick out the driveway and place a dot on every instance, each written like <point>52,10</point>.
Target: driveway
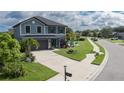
<point>80,70</point>
<point>114,69</point>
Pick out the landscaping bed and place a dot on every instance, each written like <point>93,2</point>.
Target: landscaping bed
<point>78,52</point>
<point>99,58</point>
<point>34,71</point>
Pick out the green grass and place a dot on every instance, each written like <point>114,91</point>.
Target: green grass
<point>84,48</point>
<point>34,72</point>
<point>98,60</point>
<point>117,41</point>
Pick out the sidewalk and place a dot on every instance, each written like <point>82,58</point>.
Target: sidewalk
<point>96,48</point>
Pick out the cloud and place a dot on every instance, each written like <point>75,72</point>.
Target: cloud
<point>78,20</point>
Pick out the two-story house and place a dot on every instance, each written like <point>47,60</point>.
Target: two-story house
<point>47,32</point>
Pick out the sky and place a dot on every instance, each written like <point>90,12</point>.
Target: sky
<point>77,20</point>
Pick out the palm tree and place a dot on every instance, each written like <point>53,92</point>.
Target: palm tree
<point>28,43</point>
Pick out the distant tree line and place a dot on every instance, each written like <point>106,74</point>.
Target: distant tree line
<point>106,32</point>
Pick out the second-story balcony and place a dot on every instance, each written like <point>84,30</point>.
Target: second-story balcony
<point>54,30</point>
<point>44,30</point>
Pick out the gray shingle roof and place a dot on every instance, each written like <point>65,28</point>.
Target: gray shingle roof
<point>44,20</point>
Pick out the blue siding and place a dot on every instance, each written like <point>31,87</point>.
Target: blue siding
<point>17,33</point>
<point>33,26</point>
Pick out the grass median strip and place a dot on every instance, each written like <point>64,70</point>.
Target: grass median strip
<point>82,49</point>
<point>99,58</point>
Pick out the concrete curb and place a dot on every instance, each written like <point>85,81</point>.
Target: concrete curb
<point>100,68</point>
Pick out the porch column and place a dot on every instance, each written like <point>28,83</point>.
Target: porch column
<point>56,29</point>
<point>56,43</point>
<point>49,43</point>
<point>65,29</point>
<point>59,42</point>
<point>44,32</point>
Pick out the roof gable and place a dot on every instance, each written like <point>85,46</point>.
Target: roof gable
<point>43,20</point>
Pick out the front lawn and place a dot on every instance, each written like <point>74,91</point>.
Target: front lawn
<point>99,58</point>
<point>84,48</point>
<point>117,41</point>
<point>34,71</point>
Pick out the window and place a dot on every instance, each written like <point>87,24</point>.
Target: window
<point>28,29</point>
<point>38,29</point>
<point>61,30</point>
<point>51,29</point>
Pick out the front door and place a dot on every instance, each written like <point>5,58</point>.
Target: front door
<point>53,43</point>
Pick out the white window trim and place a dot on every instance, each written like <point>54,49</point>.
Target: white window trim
<point>45,30</point>
<point>37,29</point>
<point>30,29</point>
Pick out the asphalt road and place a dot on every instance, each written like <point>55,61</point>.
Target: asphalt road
<point>114,69</point>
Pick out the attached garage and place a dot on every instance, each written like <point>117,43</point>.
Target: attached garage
<point>43,44</point>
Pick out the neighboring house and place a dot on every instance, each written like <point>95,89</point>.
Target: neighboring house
<point>48,33</point>
<point>120,35</point>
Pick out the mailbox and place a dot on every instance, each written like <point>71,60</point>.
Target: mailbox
<point>68,74</point>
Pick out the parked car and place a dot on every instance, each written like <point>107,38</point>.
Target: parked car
<point>115,38</point>
<point>94,39</point>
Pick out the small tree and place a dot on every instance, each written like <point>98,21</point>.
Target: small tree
<point>77,36</point>
<point>10,55</point>
<point>68,33</point>
<point>9,49</point>
<point>28,43</point>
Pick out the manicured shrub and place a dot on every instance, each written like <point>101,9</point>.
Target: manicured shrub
<point>97,54</point>
<point>33,58</point>
<point>81,39</point>
<point>27,57</point>
<point>13,70</point>
<point>71,51</point>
